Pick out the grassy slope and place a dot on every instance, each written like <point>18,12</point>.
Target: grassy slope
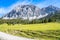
<point>48,31</point>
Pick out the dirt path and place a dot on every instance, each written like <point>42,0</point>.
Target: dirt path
<point>4,36</point>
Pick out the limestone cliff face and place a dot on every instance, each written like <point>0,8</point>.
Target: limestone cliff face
<point>30,12</point>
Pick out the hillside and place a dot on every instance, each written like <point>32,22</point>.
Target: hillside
<point>56,17</point>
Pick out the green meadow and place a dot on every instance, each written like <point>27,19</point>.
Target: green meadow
<point>45,31</point>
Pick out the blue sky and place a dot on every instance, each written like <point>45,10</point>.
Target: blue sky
<point>8,5</point>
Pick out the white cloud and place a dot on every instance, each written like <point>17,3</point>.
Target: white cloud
<point>3,10</point>
<point>8,9</point>
<point>48,2</point>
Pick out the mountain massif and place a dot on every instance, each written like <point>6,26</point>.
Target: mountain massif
<point>31,12</point>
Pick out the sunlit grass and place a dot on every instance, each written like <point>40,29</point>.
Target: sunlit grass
<point>34,30</point>
<point>41,27</point>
